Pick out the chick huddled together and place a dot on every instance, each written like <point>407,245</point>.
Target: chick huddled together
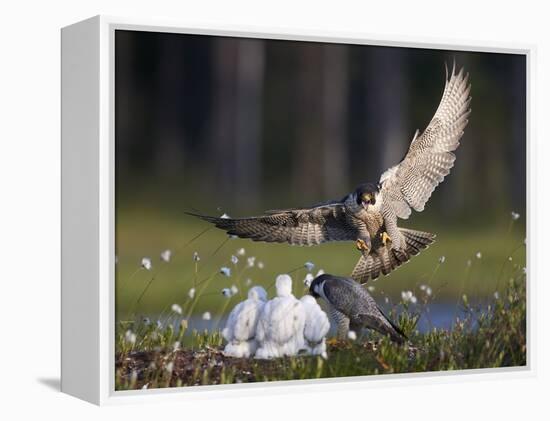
<point>282,326</point>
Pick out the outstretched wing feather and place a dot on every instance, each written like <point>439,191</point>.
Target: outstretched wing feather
<point>430,156</point>
<point>307,227</point>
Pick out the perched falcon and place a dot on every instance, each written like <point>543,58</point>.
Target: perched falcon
<point>368,215</point>
<point>352,307</point>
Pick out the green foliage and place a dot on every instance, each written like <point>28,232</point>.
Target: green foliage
<point>492,335</point>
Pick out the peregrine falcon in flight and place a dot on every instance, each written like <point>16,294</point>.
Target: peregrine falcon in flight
<point>352,307</point>
<point>368,215</point>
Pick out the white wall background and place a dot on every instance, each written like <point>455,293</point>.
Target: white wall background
<point>29,205</point>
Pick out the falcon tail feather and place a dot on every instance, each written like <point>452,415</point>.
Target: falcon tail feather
<point>397,334</point>
<point>387,260</point>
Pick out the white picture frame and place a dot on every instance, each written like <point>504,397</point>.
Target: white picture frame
<point>88,211</point>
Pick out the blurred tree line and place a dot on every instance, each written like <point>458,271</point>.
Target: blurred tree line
<point>207,122</point>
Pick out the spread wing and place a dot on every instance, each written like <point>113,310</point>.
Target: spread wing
<point>308,227</point>
<point>430,156</point>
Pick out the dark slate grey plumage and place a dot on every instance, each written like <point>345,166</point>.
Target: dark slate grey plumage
<point>352,307</point>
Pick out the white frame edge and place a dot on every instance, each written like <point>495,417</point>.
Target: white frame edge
<point>88,231</point>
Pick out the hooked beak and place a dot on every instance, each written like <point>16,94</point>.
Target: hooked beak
<point>366,200</point>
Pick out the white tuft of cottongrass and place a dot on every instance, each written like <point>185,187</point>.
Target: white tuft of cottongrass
<point>241,252</point>
<point>234,259</point>
<point>169,367</point>
<point>234,289</point>
<point>166,255</point>
<point>251,261</point>
<point>176,308</point>
<point>496,295</point>
<point>146,263</point>
<point>260,265</point>
<point>478,255</point>
<point>196,257</point>
<point>309,266</point>
<point>130,337</point>
<point>352,335</point>
<point>442,260</point>
<point>225,216</point>
<point>191,293</point>
<point>515,216</point>
<point>206,315</point>
<point>408,296</point>
<point>226,292</point>
<point>225,271</point>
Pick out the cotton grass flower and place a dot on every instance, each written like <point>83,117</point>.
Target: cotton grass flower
<point>130,337</point>
<point>260,265</point>
<point>191,293</point>
<point>234,259</point>
<point>408,296</point>
<point>206,315</point>
<point>352,335</point>
<point>166,255</point>
<point>234,289</point>
<point>196,257</point>
<point>442,260</point>
<point>225,271</point>
<point>176,345</point>
<point>515,216</point>
<point>226,292</point>
<point>241,252</point>
<point>371,288</point>
<point>248,282</point>
<point>225,216</point>
<point>309,266</point>
<point>496,295</point>
<point>169,367</point>
<point>146,263</point>
<point>176,308</point>
<point>478,255</point>
<point>251,261</point>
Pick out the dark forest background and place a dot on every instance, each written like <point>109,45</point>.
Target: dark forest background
<point>235,125</point>
<point>246,124</point>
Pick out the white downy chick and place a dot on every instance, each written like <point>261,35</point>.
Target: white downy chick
<point>240,328</point>
<point>316,327</point>
<point>280,329</point>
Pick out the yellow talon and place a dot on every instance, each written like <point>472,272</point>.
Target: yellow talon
<point>361,245</point>
<point>385,238</point>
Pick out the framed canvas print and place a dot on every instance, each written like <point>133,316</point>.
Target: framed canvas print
<point>249,209</point>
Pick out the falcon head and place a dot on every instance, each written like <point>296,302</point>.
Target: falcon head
<point>366,194</point>
<point>316,286</point>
